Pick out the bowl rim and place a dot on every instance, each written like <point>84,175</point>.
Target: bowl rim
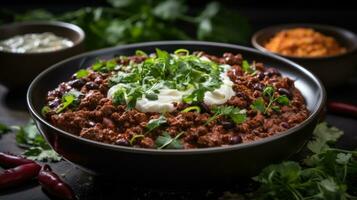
<point>314,114</point>
<point>279,27</point>
<point>65,25</point>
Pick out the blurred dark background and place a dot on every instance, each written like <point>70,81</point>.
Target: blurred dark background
<point>259,13</point>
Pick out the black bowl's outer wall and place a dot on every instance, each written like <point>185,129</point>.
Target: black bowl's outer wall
<point>222,163</point>
<point>19,69</point>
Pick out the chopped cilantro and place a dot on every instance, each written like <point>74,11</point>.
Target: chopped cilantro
<point>328,173</point>
<point>154,123</point>
<point>82,73</point>
<point>181,71</point>
<point>246,67</point>
<point>237,115</point>
<point>167,142</point>
<point>69,98</point>
<point>4,129</point>
<point>259,103</point>
<point>36,146</point>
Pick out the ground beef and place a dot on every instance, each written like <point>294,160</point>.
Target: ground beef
<point>97,118</point>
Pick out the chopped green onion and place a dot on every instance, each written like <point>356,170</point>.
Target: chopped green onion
<point>192,108</point>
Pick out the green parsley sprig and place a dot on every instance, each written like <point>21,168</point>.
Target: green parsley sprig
<point>328,173</point>
<point>259,104</point>
<point>237,115</point>
<point>167,142</point>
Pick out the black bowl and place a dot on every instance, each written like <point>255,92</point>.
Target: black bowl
<point>19,69</point>
<point>219,163</point>
<point>332,70</point>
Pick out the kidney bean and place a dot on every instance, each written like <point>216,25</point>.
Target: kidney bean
<point>285,91</point>
<point>91,85</point>
<point>52,183</point>
<point>108,123</point>
<point>122,142</point>
<point>235,139</point>
<point>227,124</point>
<point>8,160</point>
<point>77,83</point>
<point>54,103</point>
<point>205,108</point>
<point>342,108</point>
<point>271,72</point>
<point>258,86</point>
<point>18,175</point>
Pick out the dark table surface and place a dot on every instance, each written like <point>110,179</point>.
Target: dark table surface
<point>13,112</point>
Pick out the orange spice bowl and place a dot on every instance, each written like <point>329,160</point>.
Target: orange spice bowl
<point>333,70</point>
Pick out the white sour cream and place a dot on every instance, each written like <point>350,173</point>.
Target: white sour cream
<point>167,97</point>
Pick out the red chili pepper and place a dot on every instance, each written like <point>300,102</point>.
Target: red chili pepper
<point>8,160</point>
<point>342,108</point>
<point>18,175</point>
<point>54,185</point>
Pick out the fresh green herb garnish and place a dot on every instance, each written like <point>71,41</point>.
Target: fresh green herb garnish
<point>104,66</point>
<point>328,173</point>
<point>45,110</point>
<point>259,104</point>
<point>166,141</point>
<point>82,73</point>
<point>36,146</point>
<point>4,129</point>
<point>246,67</point>
<point>192,108</point>
<point>181,71</point>
<point>154,123</point>
<point>140,53</point>
<point>237,115</point>
<point>69,98</point>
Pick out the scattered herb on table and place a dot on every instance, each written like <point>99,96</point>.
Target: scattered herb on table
<point>235,114</point>
<point>134,21</point>
<point>37,148</point>
<point>165,141</point>
<point>4,129</point>
<point>328,173</point>
<point>259,104</point>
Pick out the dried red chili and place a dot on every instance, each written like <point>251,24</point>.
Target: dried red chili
<point>19,175</point>
<point>52,183</point>
<point>8,160</point>
<point>342,108</point>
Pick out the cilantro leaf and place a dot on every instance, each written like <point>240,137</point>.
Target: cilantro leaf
<point>246,67</point>
<point>82,73</point>
<point>166,141</point>
<point>154,123</point>
<point>235,114</point>
<point>69,98</point>
<point>40,154</point>
<point>4,129</point>
<point>283,100</point>
<point>258,105</point>
<point>323,135</point>
<point>36,146</point>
